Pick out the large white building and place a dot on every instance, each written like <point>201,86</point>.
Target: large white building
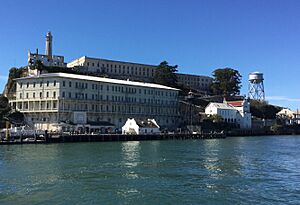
<point>237,112</point>
<point>53,98</point>
<point>135,71</point>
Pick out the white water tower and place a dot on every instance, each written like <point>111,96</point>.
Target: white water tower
<point>256,89</point>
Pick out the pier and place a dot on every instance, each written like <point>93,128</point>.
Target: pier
<point>113,137</point>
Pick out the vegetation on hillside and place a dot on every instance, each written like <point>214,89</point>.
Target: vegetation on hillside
<point>261,109</point>
<point>13,74</point>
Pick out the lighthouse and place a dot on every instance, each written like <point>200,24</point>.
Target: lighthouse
<point>49,45</point>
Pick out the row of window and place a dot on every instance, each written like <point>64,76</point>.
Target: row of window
<point>99,108</point>
<point>46,105</point>
<point>194,79</point>
<point>93,86</point>
<point>82,96</point>
<point>40,95</point>
<point>135,68</point>
<point>227,112</point>
<point>41,84</point>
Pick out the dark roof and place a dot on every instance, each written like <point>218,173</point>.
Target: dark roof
<point>146,124</point>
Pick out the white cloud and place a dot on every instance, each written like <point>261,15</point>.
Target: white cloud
<point>282,98</point>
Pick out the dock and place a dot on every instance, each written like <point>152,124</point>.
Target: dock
<point>70,138</point>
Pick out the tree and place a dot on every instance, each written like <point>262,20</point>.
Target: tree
<point>227,82</point>
<point>262,109</point>
<point>165,74</point>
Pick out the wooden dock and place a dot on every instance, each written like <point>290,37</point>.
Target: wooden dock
<point>116,137</point>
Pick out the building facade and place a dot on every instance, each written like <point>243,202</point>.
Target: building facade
<point>49,99</point>
<point>136,71</point>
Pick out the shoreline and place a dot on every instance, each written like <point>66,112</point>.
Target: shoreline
<point>125,138</point>
<point>115,137</point>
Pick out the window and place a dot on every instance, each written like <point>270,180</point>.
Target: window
<point>70,95</point>
<point>27,95</point>
<point>54,83</point>
<point>70,84</point>
<point>47,83</point>
<point>27,85</point>
<point>64,83</point>
<point>47,94</point>
<point>54,105</point>
<point>54,94</point>
<point>63,94</point>
<point>41,94</point>
<point>33,95</point>
<point>21,84</point>
<point>21,96</point>
<point>34,84</point>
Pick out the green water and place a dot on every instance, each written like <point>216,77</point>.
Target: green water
<point>256,170</point>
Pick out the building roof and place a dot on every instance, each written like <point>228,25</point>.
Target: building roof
<point>99,79</point>
<point>238,103</point>
<point>222,106</point>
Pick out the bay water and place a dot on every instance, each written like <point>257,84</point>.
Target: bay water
<point>239,170</point>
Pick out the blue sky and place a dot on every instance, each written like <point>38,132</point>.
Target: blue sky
<point>199,36</point>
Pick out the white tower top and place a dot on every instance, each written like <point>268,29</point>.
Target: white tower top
<point>49,44</point>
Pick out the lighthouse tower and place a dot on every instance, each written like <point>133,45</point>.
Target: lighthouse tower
<point>49,45</point>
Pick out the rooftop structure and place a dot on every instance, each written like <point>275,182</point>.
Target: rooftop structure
<point>47,59</point>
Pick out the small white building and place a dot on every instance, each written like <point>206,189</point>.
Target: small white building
<point>232,112</point>
<point>227,112</point>
<point>288,116</point>
<point>133,126</point>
